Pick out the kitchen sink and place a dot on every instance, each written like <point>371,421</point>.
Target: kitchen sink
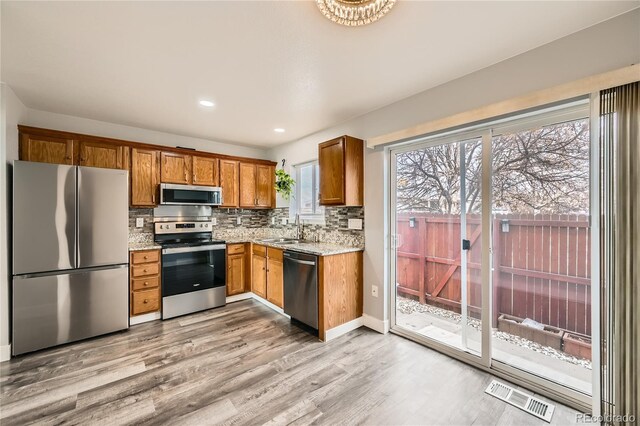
<point>281,240</point>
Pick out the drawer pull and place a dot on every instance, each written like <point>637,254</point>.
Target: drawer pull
<point>146,301</point>
<point>146,257</point>
<point>146,283</point>
<point>144,270</point>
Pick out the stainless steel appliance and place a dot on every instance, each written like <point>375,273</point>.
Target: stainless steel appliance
<point>70,254</point>
<point>193,267</point>
<point>301,287</point>
<point>190,195</point>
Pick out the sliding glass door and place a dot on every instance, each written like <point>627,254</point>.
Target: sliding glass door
<point>437,241</point>
<point>535,318</point>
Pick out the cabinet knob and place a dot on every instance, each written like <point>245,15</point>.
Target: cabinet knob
<point>146,283</point>
<point>144,270</point>
<point>146,257</point>
<point>145,301</point>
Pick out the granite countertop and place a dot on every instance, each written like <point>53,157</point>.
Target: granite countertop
<point>149,245</point>
<point>310,247</point>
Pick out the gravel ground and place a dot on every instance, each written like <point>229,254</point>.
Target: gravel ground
<point>410,306</point>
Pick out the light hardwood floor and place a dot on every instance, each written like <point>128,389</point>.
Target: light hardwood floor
<point>245,364</point>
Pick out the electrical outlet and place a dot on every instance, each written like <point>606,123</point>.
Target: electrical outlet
<point>273,220</point>
<point>374,290</point>
<point>355,224</point>
<point>139,222</point>
<point>284,220</point>
<point>239,220</point>
<point>214,221</point>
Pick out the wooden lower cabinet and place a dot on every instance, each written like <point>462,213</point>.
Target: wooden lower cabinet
<point>144,281</point>
<point>267,274</point>
<point>340,290</point>
<point>237,266</point>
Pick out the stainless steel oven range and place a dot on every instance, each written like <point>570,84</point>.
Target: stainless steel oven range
<point>193,267</point>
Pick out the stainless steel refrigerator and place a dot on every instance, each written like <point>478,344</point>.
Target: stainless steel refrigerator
<point>70,254</point>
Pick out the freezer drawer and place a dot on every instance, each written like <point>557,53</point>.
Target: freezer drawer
<point>50,310</point>
<point>44,217</point>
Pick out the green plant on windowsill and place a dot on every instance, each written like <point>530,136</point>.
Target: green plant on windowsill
<point>284,184</point>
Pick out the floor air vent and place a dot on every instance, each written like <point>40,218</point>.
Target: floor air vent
<point>521,400</point>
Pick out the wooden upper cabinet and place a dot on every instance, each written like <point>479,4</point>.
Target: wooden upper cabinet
<point>257,185</point>
<point>341,163</point>
<point>248,185</point>
<point>104,154</point>
<point>205,171</point>
<point>229,183</point>
<point>48,149</point>
<point>145,177</point>
<point>176,168</point>
<point>265,185</point>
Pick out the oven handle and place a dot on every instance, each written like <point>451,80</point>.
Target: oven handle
<point>193,249</point>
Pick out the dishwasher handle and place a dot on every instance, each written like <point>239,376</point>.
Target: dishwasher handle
<point>304,262</point>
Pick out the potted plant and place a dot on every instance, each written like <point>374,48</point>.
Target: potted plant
<point>284,184</point>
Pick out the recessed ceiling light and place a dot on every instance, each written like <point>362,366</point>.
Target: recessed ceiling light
<point>207,104</point>
<point>278,130</point>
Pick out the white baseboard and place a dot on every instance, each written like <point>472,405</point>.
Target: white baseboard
<point>343,329</point>
<point>375,324</point>
<point>238,297</point>
<point>269,304</point>
<point>139,319</point>
<point>5,353</point>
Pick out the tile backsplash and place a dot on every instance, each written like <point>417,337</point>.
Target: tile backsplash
<point>266,223</point>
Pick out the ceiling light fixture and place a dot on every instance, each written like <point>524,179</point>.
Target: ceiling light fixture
<point>207,104</point>
<point>278,130</point>
<point>354,13</point>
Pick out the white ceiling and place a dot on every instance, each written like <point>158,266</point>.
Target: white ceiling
<point>265,64</point>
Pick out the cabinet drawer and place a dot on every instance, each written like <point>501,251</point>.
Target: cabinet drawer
<point>145,301</point>
<point>145,283</point>
<point>145,256</point>
<point>259,250</point>
<point>235,249</point>
<point>145,270</point>
<point>274,253</point>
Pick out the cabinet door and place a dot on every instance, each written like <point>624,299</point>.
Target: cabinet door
<point>47,149</point>
<point>235,274</point>
<point>331,163</point>
<point>265,185</point>
<point>275,282</point>
<point>229,183</point>
<point>248,185</point>
<point>259,275</point>
<point>103,154</point>
<point>145,176</point>
<point>176,168</point>
<point>205,171</point>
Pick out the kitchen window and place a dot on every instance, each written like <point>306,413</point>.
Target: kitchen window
<point>306,202</point>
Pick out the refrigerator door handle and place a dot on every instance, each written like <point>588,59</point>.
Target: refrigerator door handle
<point>70,271</point>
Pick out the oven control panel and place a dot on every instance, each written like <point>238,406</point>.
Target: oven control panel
<point>178,227</point>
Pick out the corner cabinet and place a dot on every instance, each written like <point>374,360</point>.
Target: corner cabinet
<point>145,177</point>
<point>341,164</point>
<point>257,186</point>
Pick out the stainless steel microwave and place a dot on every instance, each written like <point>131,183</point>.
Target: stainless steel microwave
<point>190,195</point>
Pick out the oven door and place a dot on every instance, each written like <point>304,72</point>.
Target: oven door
<point>190,195</point>
<point>187,269</point>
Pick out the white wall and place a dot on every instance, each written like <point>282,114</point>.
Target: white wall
<point>12,112</point>
<point>607,46</point>
<point>49,120</point>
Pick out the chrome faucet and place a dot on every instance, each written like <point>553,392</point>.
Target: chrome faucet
<point>299,227</point>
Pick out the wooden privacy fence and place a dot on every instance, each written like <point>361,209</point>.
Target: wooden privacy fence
<point>540,267</point>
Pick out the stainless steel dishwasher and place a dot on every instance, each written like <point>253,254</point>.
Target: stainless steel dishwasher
<point>301,287</point>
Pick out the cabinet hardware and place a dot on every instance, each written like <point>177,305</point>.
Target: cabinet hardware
<point>145,301</point>
<point>146,283</point>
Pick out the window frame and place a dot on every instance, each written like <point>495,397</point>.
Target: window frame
<point>317,217</point>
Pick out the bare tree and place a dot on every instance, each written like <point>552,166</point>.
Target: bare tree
<point>544,170</point>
